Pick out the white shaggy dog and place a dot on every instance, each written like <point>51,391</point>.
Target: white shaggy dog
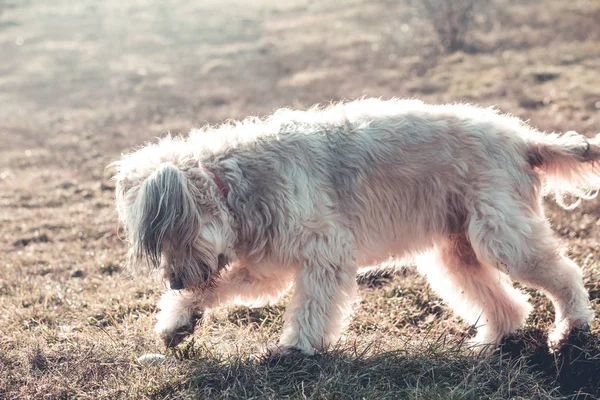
<point>241,212</point>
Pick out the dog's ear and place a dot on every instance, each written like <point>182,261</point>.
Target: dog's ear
<point>164,214</point>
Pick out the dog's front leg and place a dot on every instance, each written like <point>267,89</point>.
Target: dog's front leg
<point>324,291</point>
<point>253,287</point>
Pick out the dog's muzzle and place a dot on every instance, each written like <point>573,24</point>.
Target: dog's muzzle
<point>175,283</point>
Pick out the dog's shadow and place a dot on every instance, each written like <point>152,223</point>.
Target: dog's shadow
<point>575,367</point>
<point>440,370</point>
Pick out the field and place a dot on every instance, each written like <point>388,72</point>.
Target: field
<point>82,82</point>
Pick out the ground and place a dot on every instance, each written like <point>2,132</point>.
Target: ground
<point>82,82</point>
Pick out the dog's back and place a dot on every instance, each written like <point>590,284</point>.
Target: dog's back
<point>398,173</point>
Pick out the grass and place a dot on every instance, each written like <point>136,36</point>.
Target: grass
<point>418,351</point>
<point>81,83</point>
<point>217,364</point>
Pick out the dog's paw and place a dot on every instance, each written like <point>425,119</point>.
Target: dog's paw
<point>283,351</point>
<point>564,334</point>
<point>485,342</point>
<point>558,336</point>
<point>173,334</point>
<point>173,338</point>
<point>279,353</point>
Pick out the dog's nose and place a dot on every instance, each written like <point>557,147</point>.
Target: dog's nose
<point>175,283</point>
<point>222,261</point>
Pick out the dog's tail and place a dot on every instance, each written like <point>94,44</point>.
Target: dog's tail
<point>165,215</point>
<point>569,164</point>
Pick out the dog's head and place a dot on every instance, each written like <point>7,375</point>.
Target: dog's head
<point>173,214</point>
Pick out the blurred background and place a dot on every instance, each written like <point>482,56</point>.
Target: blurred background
<point>89,79</point>
<point>83,81</point>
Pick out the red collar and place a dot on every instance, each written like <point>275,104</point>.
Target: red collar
<point>222,188</point>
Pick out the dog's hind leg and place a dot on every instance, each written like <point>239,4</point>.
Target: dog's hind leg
<point>324,290</point>
<point>180,310</point>
<point>518,241</point>
<point>478,293</point>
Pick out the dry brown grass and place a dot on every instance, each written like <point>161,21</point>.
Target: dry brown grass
<point>82,82</point>
<point>451,20</point>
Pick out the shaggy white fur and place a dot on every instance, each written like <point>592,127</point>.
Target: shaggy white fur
<point>312,196</point>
